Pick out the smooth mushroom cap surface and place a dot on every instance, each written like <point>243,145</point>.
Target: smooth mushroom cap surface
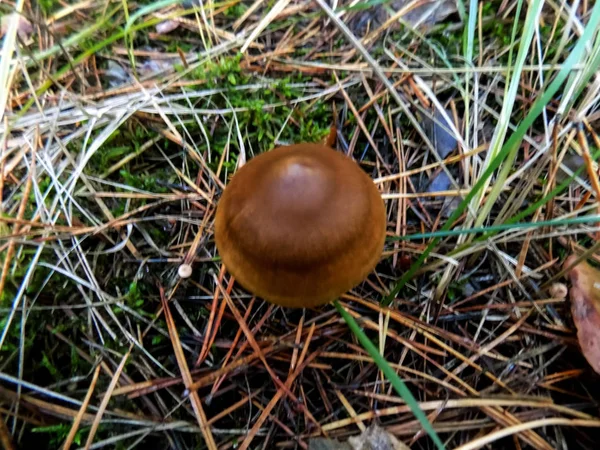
<point>300,225</point>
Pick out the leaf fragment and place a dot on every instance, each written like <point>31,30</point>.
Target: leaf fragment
<point>585,308</point>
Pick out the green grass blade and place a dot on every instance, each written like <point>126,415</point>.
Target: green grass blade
<point>531,20</point>
<point>391,375</point>
<point>8,48</point>
<point>73,40</point>
<point>462,11</point>
<point>82,57</point>
<point>147,10</point>
<point>514,141</point>
<point>362,5</point>
<point>469,35</point>
<point>491,231</point>
<point>130,20</point>
<point>494,229</point>
<point>468,44</point>
<point>590,70</point>
<point>538,204</point>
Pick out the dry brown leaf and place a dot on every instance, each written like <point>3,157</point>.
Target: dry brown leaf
<point>24,28</point>
<point>373,438</point>
<point>585,307</point>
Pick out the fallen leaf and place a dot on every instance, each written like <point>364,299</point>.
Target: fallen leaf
<point>422,14</point>
<point>440,182</point>
<point>438,131</point>
<point>151,67</point>
<point>167,26</point>
<point>24,28</point>
<point>373,438</point>
<point>585,308</point>
<point>116,74</point>
<point>444,141</point>
<point>376,438</point>
<point>327,444</point>
<point>425,13</point>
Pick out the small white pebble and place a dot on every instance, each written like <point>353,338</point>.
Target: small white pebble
<point>185,271</point>
<point>558,290</point>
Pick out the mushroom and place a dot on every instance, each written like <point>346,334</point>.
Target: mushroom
<point>300,225</point>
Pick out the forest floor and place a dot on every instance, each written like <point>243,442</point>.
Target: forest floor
<point>122,123</point>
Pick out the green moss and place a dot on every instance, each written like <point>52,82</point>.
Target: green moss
<point>56,434</point>
<point>264,110</point>
<point>49,6</point>
<point>236,11</point>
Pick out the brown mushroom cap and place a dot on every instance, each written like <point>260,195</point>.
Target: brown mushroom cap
<point>300,225</point>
